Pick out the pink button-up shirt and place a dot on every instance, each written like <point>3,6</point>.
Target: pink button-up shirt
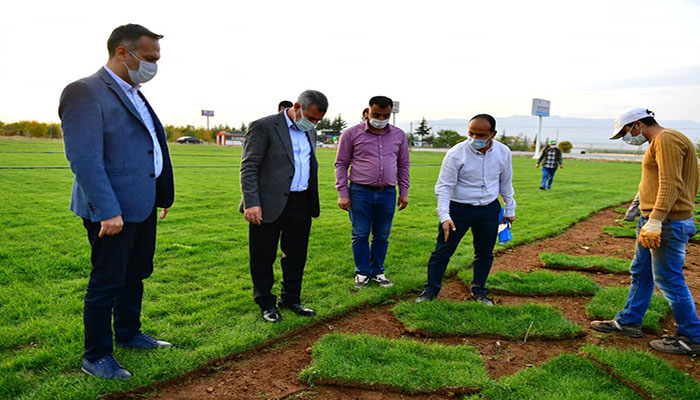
<point>373,159</point>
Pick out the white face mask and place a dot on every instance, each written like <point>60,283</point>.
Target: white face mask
<point>304,124</point>
<point>379,123</point>
<point>634,140</point>
<point>146,72</point>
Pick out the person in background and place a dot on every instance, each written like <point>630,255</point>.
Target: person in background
<point>666,200</point>
<point>377,155</point>
<point>365,114</point>
<point>118,153</point>
<point>551,155</point>
<point>473,174</point>
<point>279,182</point>
<point>284,104</point>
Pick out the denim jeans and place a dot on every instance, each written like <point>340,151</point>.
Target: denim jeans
<point>371,211</point>
<point>483,220</point>
<point>547,177</point>
<point>663,267</point>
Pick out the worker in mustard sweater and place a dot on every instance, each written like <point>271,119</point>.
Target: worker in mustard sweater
<point>666,200</point>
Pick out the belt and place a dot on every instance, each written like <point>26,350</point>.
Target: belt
<point>373,188</point>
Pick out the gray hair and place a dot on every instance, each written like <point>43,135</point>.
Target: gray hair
<point>310,98</point>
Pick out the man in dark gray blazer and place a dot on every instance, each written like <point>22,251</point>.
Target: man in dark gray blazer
<point>279,181</point>
<point>118,153</point>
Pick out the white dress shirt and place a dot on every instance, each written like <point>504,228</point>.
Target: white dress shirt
<point>469,177</point>
<point>132,93</point>
<point>302,156</point>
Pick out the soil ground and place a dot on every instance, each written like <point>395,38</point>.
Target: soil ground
<point>270,370</point>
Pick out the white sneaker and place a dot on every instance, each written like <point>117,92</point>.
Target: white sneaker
<point>361,281</point>
<point>383,281</point>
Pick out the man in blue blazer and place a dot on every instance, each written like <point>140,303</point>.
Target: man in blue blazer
<point>118,153</point>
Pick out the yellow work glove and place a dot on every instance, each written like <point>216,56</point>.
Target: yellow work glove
<point>650,234</point>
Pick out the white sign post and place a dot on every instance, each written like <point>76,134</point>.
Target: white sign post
<point>540,108</point>
<point>207,113</point>
<point>394,110</point>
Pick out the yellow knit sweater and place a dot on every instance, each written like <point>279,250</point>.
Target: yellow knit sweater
<point>669,177</point>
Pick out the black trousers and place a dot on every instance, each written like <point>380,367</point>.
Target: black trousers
<point>119,265</point>
<point>291,231</point>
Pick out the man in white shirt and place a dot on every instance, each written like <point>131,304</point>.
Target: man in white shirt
<point>472,175</point>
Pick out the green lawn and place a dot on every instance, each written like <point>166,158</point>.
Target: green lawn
<point>536,283</point>
<point>585,263</point>
<point>608,301</point>
<point>650,373</point>
<point>200,295</point>
<point>470,318</point>
<point>405,365</point>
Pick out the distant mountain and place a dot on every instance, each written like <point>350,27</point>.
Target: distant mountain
<point>581,131</point>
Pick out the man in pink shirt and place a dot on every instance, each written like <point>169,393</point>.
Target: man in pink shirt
<point>377,155</point>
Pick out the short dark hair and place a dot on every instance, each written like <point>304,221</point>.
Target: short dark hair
<point>647,121</point>
<point>284,104</point>
<point>125,35</point>
<point>381,101</point>
<point>491,120</point>
<point>309,98</point>
<point>365,111</point>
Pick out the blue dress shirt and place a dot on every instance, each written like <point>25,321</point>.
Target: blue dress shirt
<point>132,92</point>
<point>302,156</point>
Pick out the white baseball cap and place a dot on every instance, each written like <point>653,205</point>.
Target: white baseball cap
<point>627,117</point>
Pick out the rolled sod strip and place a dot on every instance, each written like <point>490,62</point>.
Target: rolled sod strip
<point>563,377</point>
<point>608,301</point>
<point>401,365</point>
<point>647,374</point>
<point>585,263</point>
<point>447,318</point>
<point>541,283</point>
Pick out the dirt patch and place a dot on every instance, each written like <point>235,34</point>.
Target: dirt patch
<point>270,372</point>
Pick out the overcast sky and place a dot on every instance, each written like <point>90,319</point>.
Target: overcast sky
<point>440,59</point>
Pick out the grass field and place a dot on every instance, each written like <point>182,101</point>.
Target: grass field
<point>200,295</point>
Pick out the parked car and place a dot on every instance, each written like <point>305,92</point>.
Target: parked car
<point>189,139</point>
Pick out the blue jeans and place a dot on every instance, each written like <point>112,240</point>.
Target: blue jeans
<point>663,267</point>
<point>371,211</point>
<point>483,220</point>
<point>547,177</point>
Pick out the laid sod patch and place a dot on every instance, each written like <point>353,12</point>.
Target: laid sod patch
<point>620,231</point>
<point>397,365</point>
<point>642,370</point>
<point>446,318</point>
<point>542,283</point>
<point>621,210</point>
<point>564,377</point>
<point>585,263</point>
<point>608,301</point>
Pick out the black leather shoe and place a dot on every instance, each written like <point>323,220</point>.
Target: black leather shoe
<point>298,309</point>
<point>425,296</point>
<point>272,315</point>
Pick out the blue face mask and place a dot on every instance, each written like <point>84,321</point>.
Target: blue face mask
<point>304,124</point>
<point>477,144</point>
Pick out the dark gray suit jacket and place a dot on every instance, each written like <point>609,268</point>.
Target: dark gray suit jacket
<point>267,167</point>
